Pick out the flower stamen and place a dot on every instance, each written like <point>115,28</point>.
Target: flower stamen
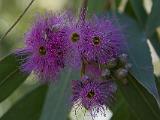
<point>96,40</point>
<point>42,50</point>
<point>75,37</point>
<point>90,94</point>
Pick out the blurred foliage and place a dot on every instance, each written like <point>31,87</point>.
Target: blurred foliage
<point>22,109</point>
<point>22,106</point>
<point>59,103</point>
<point>121,109</point>
<point>10,78</point>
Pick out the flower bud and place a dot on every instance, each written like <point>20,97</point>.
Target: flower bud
<point>112,63</point>
<point>128,66</point>
<point>123,58</point>
<point>121,73</point>
<point>124,81</point>
<point>106,73</point>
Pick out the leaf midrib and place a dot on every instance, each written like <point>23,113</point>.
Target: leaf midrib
<point>145,99</point>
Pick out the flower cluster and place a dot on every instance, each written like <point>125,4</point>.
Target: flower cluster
<point>58,41</point>
<point>95,90</point>
<point>93,94</point>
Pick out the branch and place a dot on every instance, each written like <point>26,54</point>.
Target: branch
<point>18,19</point>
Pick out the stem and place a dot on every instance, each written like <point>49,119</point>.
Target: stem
<point>83,11</point>
<point>82,17</point>
<point>83,68</point>
<point>18,19</point>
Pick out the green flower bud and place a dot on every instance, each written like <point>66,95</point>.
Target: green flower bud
<point>123,58</point>
<point>121,73</point>
<point>112,63</point>
<point>106,73</point>
<point>128,66</point>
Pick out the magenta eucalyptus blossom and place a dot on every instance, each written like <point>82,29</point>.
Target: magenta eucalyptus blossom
<point>45,47</point>
<point>74,36</point>
<point>94,95</point>
<point>103,40</point>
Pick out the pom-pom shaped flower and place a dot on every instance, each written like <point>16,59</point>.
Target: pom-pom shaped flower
<point>45,47</point>
<point>103,40</point>
<point>74,36</point>
<point>93,94</point>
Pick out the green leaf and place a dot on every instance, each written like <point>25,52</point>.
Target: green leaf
<point>96,6</point>
<point>5,46</point>
<point>139,10</point>
<point>10,76</point>
<point>155,42</point>
<point>29,107</point>
<point>142,17</point>
<point>121,110</point>
<point>158,82</point>
<point>142,104</point>
<point>139,55</point>
<point>154,18</point>
<point>57,105</point>
<point>129,10</point>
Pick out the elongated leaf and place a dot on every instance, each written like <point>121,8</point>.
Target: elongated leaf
<point>57,105</point>
<point>142,19</point>
<point>5,46</point>
<point>121,110</point>
<point>158,82</point>
<point>10,76</point>
<point>29,107</point>
<point>139,56</point>
<point>156,43</point>
<point>139,10</point>
<point>154,18</point>
<point>129,10</point>
<point>139,100</point>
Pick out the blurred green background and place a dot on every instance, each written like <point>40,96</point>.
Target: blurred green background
<point>11,9</point>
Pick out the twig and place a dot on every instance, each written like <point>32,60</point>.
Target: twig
<point>18,19</point>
